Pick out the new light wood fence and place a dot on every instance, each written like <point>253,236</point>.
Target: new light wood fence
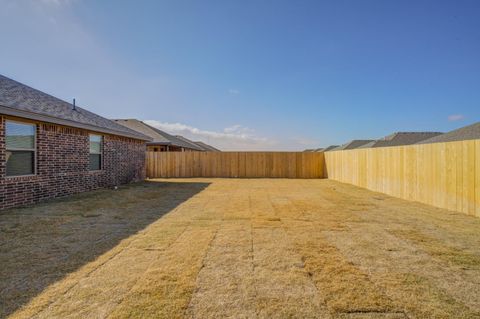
<point>235,164</point>
<point>445,175</point>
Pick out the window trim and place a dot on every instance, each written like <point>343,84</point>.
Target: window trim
<point>34,149</point>
<point>100,153</point>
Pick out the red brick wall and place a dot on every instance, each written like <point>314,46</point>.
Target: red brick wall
<point>62,165</point>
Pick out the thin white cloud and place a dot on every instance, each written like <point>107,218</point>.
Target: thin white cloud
<point>236,137</point>
<point>237,128</point>
<point>456,117</point>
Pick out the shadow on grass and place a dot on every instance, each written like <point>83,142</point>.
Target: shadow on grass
<point>41,244</point>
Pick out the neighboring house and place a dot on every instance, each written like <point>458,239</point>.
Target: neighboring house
<point>329,148</point>
<point>51,148</point>
<point>189,142</point>
<point>207,147</point>
<point>470,132</point>
<point>204,147</point>
<point>160,141</point>
<point>401,138</point>
<point>352,145</point>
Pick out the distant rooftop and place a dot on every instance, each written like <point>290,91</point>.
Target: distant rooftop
<point>329,148</point>
<point>470,132</point>
<point>207,147</point>
<point>203,146</point>
<point>401,138</point>
<point>352,145</point>
<point>189,142</point>
<point>145,129</point>
<point>158,137</point>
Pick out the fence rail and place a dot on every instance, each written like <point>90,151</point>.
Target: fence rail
<point>235,164</point>
<point>445,175</point>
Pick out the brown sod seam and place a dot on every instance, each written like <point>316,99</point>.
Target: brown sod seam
<point>345,288</point>
<point>238,248</point>
<point>454,256</point>
<point>282,284</point>
<point>224,285</point>
<point>422,287</point>
<point>169,281</point>
<point>54,243</point>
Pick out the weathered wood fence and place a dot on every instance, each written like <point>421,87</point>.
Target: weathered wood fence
<point>235,164</point>
<point>445,175</point>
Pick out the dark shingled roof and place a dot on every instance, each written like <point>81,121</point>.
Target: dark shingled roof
<point>139,126</point>
<point>157,136</point>
<point>401,138</point>
<point>201,145</point>
<point>177,141</point>
<point>20,100</point>
<point>368,145</point>
<point>352,145</point>
<point>192,143</point>
<point>329,148</point>
<point>207,147</point>
<point>470,132</point>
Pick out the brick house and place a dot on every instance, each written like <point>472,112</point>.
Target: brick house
<point>50,148</point>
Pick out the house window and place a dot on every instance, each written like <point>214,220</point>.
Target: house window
<point>20,148</point>
<point>96,149</point>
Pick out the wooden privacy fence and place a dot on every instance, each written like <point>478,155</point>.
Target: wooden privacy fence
<point>235,164</point>
<point>445,175</point>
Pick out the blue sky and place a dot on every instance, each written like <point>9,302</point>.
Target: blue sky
<point>273,75</point>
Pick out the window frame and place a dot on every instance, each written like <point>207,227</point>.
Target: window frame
<point>90,152</point>
<point>33,150</point>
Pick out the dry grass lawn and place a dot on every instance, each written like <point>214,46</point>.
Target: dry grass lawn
<point>238,248</point>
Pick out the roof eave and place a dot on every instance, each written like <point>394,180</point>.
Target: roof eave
<point>186,146</point>
<point>159,143</point>
<point>55,120</point>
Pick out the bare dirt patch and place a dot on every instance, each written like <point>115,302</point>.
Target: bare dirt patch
<point>238,248</point>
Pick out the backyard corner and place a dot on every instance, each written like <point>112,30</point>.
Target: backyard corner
<point>239,248</point>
